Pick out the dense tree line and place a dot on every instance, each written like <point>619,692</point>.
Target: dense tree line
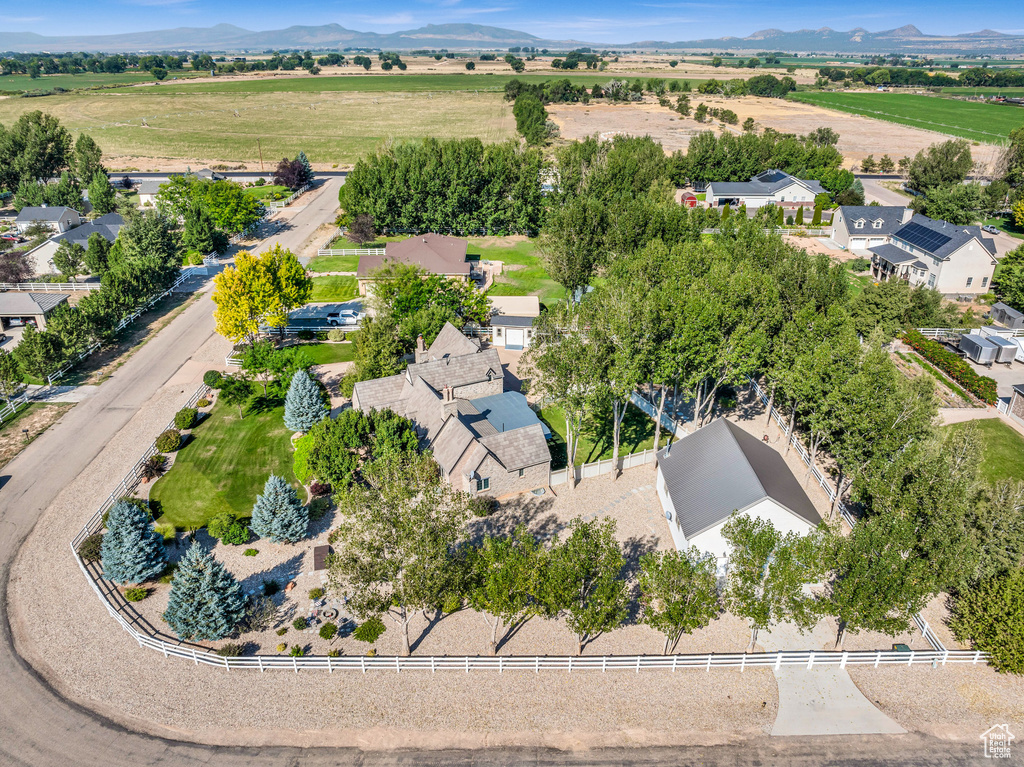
<point>442,186</point>
<point>888,76</point>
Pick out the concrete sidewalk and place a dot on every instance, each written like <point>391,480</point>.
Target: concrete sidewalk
<point>821,700</point>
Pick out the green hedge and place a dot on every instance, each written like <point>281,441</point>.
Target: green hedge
<point>983,387</point>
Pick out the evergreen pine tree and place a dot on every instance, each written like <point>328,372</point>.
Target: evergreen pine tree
<point>800,216</point>
<point>816,218</point>
<point>132,551</point>
<point>101,194</point>
<point>303,405</point>
<point>206,601</point>
<point>307,168</point>
<point>279,514</point>
<point>200,233</point>
<point>780,220</point>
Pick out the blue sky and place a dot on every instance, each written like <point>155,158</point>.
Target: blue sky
<point>593,20</point>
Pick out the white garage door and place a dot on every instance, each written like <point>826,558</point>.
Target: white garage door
<point>876,241</point>
<point>514,339</point>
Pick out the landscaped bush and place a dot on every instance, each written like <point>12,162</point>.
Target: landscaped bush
<point>213,378</point>
<point>230,650</point>
<point>297,651</point>
<point>225,528</point>
<point>168,574</point>
<point>300,624</point>
<point>203,402</point>
<point>369,631</point>
<point>335,653</point>
<point>304,335</point>
<point>319,507</point>
<point>136,594</point>
<point>89,549</point>
<point>991,616</point>
<point>316,593</point>
<point>282,631</point>
<point>300,462</point>
<point>282,647</point>
<point>328,631</point>
<point>321,335</point>
<point>167,530</point>
<point>168,441</point>
<point>319,488</point>
<point>983,387</point>
<point>336,334</point>
<point>154,467</point>
<point>185,418</point>
<point>858,264</point>
<point>482,506</point>
<point>250,552</point>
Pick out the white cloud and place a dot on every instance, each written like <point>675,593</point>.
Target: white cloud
<point>21,19</point>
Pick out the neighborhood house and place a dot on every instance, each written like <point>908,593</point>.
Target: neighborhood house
<point>25,308</point>
<point>772,187</point>
<point>486,440</point>
<point>720,469</point>
<point>56,219</point>
<point>433,253</point>
<point>859,227</point>
<point>106,227</point>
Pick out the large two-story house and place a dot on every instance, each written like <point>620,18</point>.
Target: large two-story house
<point>486,440</point>
<point>954,260</point>
<point>772,187</point>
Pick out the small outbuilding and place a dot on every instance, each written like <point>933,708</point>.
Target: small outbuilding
<point>26,308</point>
<point>720,469</point>
<point>1007,316</point>
<point>512,320</point>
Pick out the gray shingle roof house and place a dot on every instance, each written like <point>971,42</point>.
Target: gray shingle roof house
<point>485,440</point>
<point>720,469</point>
<point>59,219</point>
<point>954,260</point>
<point>512,320</point>
<point>771,187</point>
<point>29,306</point>
<point>857,227</point>
<point>106,226</point>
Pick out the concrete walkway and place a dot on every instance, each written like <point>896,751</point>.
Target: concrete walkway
<point>822,700</point>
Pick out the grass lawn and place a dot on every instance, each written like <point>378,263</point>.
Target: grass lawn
<point>1005,224</point>
<point>596,439</point>
<point>334,264</point>
<point>1003,455</point>
<point>267,191</point>
<point>325,354</point>
<point>857,281</point>
<point>225,465</point>
<point>988,123</point>
<point>527,275</point>
<point>334,288</point>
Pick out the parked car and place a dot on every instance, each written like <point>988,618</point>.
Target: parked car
<point>12,238</point>
<point>990,229</point>
<point>347,317</point>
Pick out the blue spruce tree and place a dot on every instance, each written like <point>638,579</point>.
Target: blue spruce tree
<point>306,167</point>
<point>132,551</point>
<point>206,601</point>
<point>278,513</point>
<point>303,405</point>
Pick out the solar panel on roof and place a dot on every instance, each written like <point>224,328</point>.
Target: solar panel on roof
<point>923,237</point>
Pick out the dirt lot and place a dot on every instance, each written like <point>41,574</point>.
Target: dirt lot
<point>858,136</point>
<point>35,419</point>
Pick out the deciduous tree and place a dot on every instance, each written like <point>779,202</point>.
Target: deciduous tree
<point>505,578</point>
<point>678,592</point>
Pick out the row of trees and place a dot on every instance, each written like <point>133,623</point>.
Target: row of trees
<point>36,148</point>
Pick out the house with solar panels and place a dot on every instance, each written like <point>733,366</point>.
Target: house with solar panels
<point>957,261</point>
<point>485,440</point>
<point>706,477</point>
<point>772,187</point>
<point>859,227</point>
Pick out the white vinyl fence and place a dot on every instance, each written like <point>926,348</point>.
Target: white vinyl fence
<point>279,204</point>
<point>596,469</point>
<point>50,287</point>
<point>351,252</point>
<point>13,406</point>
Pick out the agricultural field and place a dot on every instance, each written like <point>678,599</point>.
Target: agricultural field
<point>24,83</point>
<point>986,123</point>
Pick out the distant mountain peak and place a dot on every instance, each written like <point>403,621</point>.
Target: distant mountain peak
<point>907,30</point>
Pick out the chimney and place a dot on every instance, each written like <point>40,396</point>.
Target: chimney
<point>451,407</point>
<point>420,346</point>
<point>908,214</point>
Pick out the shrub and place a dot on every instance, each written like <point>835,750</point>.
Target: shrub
<point>328,631</point>
<point>333,653</point>
<point>319,507</point>
<point>991,617</point>
<point>227,529</point>
<point>282,631</point>
<point>230,650</point>
<point>348,383</point>
<point>168,574</point>
<point>319,488</point>
<point>185,418</point>
<point>321,335</point>
<point>369,631</point>
<point>282,647</point>
<point>271,587</point>
<point>297,651</point>
<point>336,334</point>
<point>858,264</point>
<point>168,441</point>
<point>482,505</point>
<point>300,462</point>
<point>982,387</point>
<point>250,552</point>
<point>89,549</point>
<point>304,335</point>
<point>153,467</point>
<point>316,593</point>
<point>167,530</point>
<point>136,594</point>
<point>213,378</point>
<point>299,624</point>
<point>203,402</point>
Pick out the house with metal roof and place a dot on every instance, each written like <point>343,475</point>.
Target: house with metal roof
<point>57,219</point>
<point>954,260</point>
<point>22,308</point>
<point>859,227</point>
<point>485,440</point>
<point>433,253</point>
<point>720,469</point>
<point>771,187</point>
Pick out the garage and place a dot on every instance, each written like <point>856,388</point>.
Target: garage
<point>515,338</point>
<point>18,309</point>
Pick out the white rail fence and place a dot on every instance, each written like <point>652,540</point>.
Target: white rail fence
<point>279,204</point>
<point>596,469</point>
<point>12,406</point>
<point>676,428</point>
<point>50,287</point>
<point>351,252</point>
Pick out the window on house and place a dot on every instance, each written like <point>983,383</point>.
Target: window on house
<point>931,281</point>
<point>984,282</point>
<point>877,224</point>
<point>498,331</point>
<point>483,484</point>
<point>522,472</point>
<point>858,225</point>
<point>969,281</point>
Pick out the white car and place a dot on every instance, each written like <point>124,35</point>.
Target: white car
<point>347,317</point>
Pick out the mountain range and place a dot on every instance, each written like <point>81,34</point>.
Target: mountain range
<point>227,37</point>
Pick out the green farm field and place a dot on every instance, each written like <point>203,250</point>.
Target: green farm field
<point>984,123</point>
<point>24,83</point>
<point>333,127</point>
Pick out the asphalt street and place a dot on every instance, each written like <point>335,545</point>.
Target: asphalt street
<point>40,728</point>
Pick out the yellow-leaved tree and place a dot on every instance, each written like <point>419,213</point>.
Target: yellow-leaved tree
<point>259,290</point>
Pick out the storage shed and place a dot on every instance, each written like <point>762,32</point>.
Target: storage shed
<point>1007,316</point>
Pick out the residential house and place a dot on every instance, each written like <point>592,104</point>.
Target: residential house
<point>22,308</point>
<point>149,188</point>
<point>486,440</point>
<point>433,253</point>
<point>1006,316</point>
<point>859,227</point>
<point>106,226</point>
<point>720,469</point>
<point>512,320</point>
<point>954,260</point>
<point>57,219</point>
<point>772,187</point>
